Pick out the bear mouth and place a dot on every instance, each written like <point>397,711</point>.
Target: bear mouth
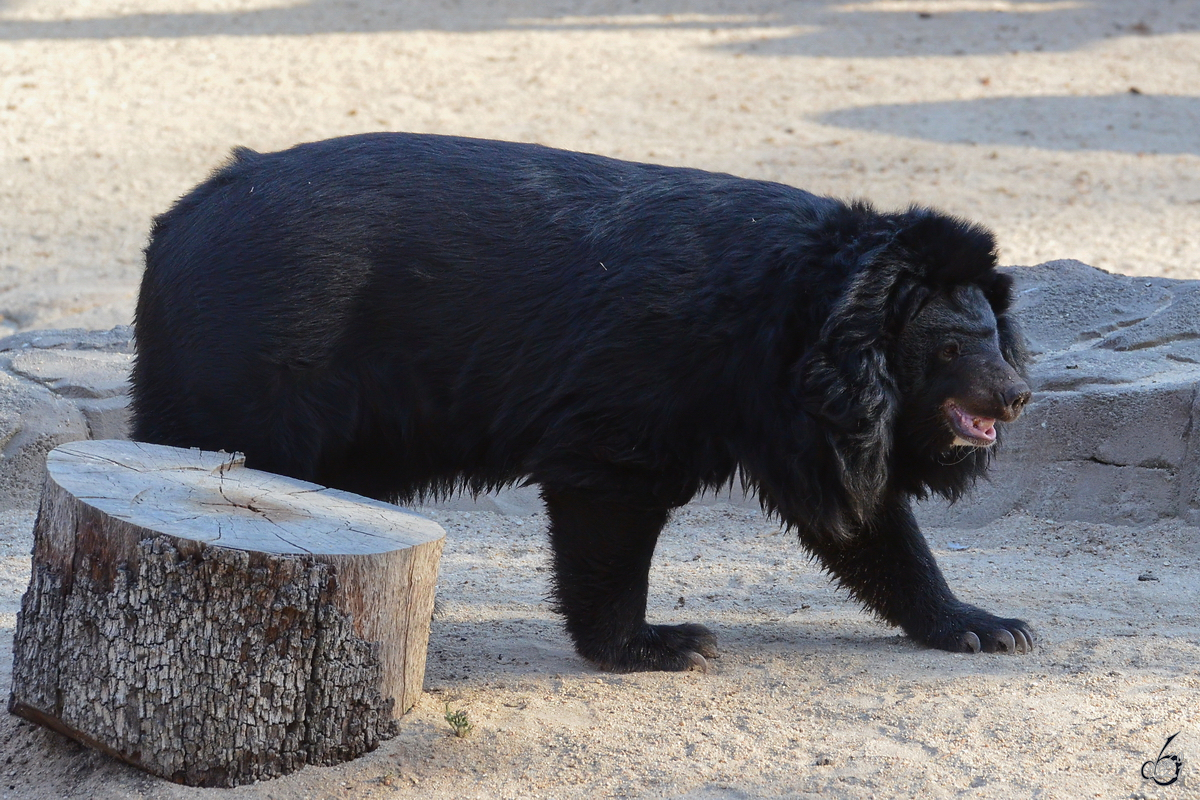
<point>970,430</point>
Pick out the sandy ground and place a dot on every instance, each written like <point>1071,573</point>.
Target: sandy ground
<point>1071,127</point>
<point>809,698</point>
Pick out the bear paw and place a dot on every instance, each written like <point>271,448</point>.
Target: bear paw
<point>669,648</point>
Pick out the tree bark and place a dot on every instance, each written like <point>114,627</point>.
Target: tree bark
<point>217,625</point>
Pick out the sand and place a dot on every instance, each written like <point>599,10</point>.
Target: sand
<point>1069,127</point>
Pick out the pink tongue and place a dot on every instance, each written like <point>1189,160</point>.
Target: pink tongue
<point>978,427</point>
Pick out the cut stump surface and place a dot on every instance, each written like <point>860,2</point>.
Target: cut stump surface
<point>218,625</point>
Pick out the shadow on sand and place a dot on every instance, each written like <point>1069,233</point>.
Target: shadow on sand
<point>807,28</point>
<point>1126,122</point>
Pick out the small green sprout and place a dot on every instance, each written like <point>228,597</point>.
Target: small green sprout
<point>458,722</point>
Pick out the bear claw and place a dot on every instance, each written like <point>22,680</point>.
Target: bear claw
<point>972,630</point>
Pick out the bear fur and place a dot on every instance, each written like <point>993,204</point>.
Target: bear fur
<point>406,316</point>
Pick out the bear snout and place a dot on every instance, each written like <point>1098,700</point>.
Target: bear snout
<point>1011,400</point>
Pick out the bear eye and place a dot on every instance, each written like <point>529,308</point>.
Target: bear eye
<point>949,351</point>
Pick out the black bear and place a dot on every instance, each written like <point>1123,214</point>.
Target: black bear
<point>408,315</point>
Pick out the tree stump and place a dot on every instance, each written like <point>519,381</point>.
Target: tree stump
<point>218,625</point>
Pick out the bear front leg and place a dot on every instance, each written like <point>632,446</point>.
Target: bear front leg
<point>888,567</point>
<point>602,553</point>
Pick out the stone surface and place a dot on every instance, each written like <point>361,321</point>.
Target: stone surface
<point>56,387</point>
<point>1108,437</point>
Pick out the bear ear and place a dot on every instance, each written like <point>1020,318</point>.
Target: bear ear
<point>1012,344</point>
<point>949,250</point>
<point>999,294</point>
<point>846,383</point>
